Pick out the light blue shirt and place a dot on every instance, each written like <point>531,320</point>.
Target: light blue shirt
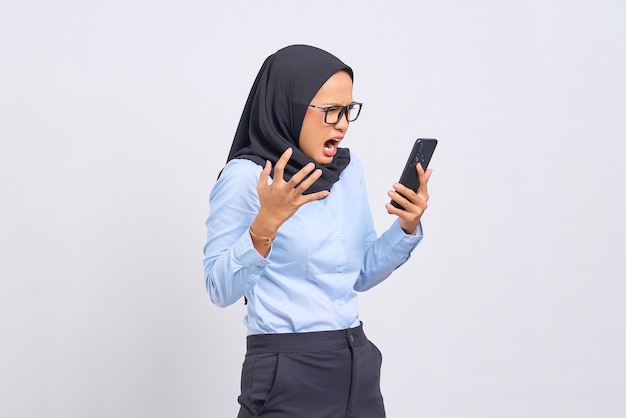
<point>321,256</point>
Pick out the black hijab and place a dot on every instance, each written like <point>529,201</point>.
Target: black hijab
<point>275,109</point>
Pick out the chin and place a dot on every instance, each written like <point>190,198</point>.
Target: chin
<point>324,160</point>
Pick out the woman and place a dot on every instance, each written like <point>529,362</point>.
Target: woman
<point>290,230</point>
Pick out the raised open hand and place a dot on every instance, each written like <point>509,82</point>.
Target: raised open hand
<point>280,199</point>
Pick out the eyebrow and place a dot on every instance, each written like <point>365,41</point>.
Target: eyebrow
<point>337,104</point>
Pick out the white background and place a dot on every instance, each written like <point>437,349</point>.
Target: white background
<point>116,117</point>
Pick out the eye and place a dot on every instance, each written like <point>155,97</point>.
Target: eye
<point>333,110</point>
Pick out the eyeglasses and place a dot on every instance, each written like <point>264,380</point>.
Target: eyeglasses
<point>333,114</point>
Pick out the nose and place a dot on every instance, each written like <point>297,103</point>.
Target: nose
<point>342,124</point>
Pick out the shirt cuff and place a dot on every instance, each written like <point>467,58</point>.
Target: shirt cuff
<point>247,256</point>
<point>397,235</point>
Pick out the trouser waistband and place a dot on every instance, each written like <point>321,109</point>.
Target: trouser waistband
<point>306,341</point>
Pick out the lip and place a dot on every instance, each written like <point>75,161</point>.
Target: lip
<point>331,146</point>
<point>336,139</point>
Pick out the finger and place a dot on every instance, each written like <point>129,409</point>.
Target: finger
<point>265,174</point>
<point>279,168</point>
<point>401,199</point>
<point>406,191</point>
<point>423,178</point>
<point>411,213</point>
<point>410,195</point>
<point>391,209</point>
<point>308,182</point>
<point>302,173</point>
<point>428,173</point>
<point>315,196</point>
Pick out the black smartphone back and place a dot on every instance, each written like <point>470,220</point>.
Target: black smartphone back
<point>422,152</point>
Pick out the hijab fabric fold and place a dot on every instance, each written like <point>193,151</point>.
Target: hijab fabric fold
<point>274,112</point>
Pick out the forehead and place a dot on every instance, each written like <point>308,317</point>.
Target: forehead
<point>338,88</point>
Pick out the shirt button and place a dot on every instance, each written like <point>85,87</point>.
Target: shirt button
<point>337,234</point>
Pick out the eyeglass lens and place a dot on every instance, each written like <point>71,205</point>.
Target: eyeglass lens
<point>351,112</point>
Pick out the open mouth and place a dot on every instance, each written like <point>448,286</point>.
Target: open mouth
<point>330,147</point>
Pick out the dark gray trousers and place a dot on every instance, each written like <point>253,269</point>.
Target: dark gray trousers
<point>328,374</point>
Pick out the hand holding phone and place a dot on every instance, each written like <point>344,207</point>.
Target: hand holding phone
<point>422,152</point>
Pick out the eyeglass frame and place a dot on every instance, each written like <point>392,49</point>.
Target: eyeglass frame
<point>342,112</point>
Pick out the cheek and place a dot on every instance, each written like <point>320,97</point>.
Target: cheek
<point>312,132</point>
<point>307,141</point>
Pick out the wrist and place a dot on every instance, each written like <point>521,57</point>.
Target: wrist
<point>264,240</point>
<point>264,227</point>
<point>409,229</point>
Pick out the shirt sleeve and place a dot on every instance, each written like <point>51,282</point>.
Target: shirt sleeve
<point>386,253</point>
<point>232,265</point>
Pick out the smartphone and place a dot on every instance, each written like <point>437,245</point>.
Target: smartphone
<point>421,153</point>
